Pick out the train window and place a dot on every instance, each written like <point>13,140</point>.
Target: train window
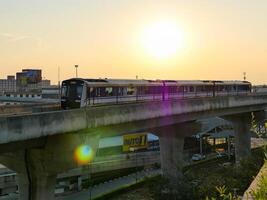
<point>64,91</point>
<point>191,89</point>
<point>155,90</point>
<point>243,88</point>
<point>172,89</point>
<point>124,91</point>
<point>199,88</point>
<point>185,89</point>
<point>180,89</point>
<point>145,90</point>
<point>131,91</point>
<point>88,92</point>
<point>158,89</point>
<point>79,91</point>
<point>209,88</point>
<point>119,91</point>
<point>91,92</point>
<point>206,88</point>
<point>101,92</point>
<point>220,87</point>
<point>139,90</point>
<point>234,87</point>
<point>109,91</point>
<point>114,91</point>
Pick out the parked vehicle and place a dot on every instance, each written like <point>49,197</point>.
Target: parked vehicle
<point>221,154</point>
<point>197,157</point>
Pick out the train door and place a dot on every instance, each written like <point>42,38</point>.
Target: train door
<point>84,95</point>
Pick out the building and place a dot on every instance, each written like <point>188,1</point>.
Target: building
<point>8,85</point>
<point>29,80</point>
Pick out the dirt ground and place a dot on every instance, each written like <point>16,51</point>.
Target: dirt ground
<point>140,194</point>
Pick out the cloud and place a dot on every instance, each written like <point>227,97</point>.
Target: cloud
<point>18,38</point>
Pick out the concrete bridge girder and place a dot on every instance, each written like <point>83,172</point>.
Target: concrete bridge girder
<point>18,128</point>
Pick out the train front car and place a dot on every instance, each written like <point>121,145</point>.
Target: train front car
<point>72,93</point>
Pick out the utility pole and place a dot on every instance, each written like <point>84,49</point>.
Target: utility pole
<point>76,66</point>
<point>58,77</point>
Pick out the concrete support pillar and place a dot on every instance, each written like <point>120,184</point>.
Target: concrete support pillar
<point>43,187</point>
<point>38,186</point>
<point>23,186</point>
<point>171,154</point>
<point>241,125</point>
<point>171,139</point>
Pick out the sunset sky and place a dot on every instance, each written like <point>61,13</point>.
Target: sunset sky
<point>154,39</point>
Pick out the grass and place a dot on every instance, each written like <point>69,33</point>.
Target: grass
<point>261,191</point>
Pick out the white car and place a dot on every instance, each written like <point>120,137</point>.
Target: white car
<point>221,154</point>
<point>197,157</point>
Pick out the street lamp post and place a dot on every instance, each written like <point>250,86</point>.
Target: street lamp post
<point>76,66</point>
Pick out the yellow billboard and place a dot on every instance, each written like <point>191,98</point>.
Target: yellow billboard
<point>135,141</point>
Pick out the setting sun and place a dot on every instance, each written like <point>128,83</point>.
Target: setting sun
<point>162,39</point>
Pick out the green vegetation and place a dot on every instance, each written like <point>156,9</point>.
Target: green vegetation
<point>223,195</point>
<point>261,192</point>
<point>236,178</point>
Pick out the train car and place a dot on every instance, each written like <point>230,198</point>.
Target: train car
<point>77,92</point>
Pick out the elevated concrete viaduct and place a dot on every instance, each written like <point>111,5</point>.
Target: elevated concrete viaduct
<point>38,146</point>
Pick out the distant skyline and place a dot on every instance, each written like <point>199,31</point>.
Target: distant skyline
<point>207,39</point>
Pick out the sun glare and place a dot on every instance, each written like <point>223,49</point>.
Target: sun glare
<point>162,39</point>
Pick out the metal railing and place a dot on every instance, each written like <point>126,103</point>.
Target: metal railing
<point>94,100</point>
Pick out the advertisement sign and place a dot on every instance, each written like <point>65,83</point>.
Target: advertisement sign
<point>33,76</point>
<point>134,141</point>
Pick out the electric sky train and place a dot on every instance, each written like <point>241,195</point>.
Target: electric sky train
<point>78,92</point>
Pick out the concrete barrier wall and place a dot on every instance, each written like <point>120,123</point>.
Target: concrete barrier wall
<point>121,162</point>
<point>16,128</point>
<point>27,108</point>
<point>142,111</point>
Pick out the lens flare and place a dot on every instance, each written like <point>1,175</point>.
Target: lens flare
<point>83,154</point>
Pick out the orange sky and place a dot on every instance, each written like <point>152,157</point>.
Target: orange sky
<point>222,39</point>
